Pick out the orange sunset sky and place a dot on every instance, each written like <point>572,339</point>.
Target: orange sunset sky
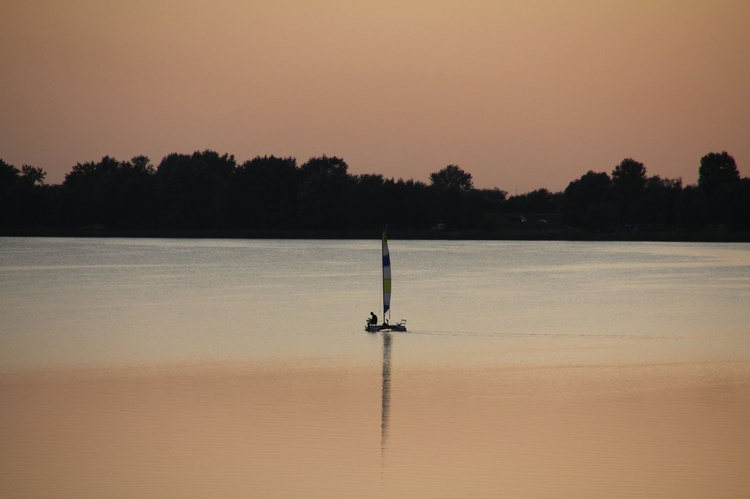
<point>521,94</point>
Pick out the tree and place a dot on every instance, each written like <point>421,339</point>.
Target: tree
<point>324,193</point>
<point>111,193</point>
<point>588,202</point>
<point>452,178</point>
<point>538,201</point>
<point>264,193</point>
<point>194,190</point>
<point>451,203</point>
<point>23,197</point>
<point>32,175</point>
<point>370,201</point>
<point>332,165</point>
<point>629,178</point>
<point>9,179</point>
<point>411,206</point>
<point>657,204</point>
<point>89,192</point>
<point>8,173</point>
<point>737,204</point>
<point>692,208</point>
<point>717,169</point>
<point>136,193</point>
<point>628,184</point>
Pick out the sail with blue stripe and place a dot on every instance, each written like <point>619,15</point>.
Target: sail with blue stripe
<point>372,326</point>
<point>386,279</point>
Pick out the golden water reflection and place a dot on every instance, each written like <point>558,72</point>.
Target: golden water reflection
<point>650,430</point>
<point>386,403</point>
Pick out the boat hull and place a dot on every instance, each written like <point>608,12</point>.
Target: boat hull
<point>374,328</point>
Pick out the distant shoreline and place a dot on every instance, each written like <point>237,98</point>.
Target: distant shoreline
<point>450,235</point>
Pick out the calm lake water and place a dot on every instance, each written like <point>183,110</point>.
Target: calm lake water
<point>231,368</point>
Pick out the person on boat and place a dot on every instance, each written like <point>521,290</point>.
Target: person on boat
<point>373,319</point>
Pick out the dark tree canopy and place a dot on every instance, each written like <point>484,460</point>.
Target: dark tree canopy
<point>692,207</point>
<point>111,192</point>
<point>8,174</point>
<point>206,190</point>
<point>717,169</point>
<point>656,206</point>
<point>538,201</point>
<point>588,202</point>
<point>629,178</point>
<point>33,175</point>
<point>452,178</point>
<point>24,198</point>
<point>330,165</point>
<point>629,184</point>
<point>194,189</point>
<point>323,194</point>
<point>264,192</point>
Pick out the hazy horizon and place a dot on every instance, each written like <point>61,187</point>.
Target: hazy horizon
<point>522,95</point>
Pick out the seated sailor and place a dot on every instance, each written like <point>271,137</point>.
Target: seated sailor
<point>373,319</point>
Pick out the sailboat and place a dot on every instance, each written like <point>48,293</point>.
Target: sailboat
<point>371,326</point>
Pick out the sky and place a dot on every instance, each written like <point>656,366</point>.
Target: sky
<point>521,94</point>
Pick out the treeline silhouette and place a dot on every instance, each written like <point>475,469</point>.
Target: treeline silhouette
<point>209,191</point>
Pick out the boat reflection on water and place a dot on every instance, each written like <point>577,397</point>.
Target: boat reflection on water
<point>386,402</point>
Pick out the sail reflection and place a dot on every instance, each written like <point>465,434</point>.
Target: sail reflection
<point>386,403</point>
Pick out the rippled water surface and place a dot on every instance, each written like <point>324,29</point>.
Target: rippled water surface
<point>218,368</point>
